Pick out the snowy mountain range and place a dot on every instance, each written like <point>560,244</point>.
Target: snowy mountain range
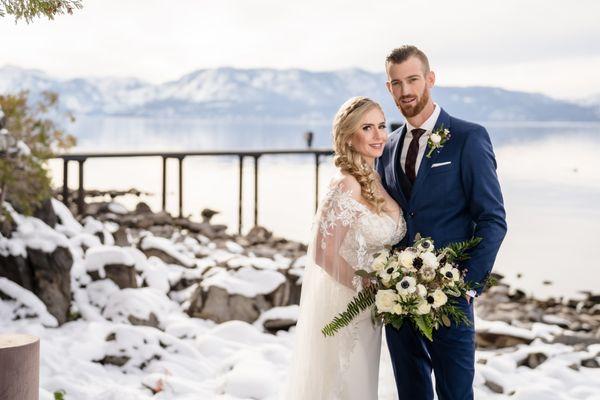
<point>292,94</point>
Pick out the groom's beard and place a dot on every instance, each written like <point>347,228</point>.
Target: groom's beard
<point>411,111</point>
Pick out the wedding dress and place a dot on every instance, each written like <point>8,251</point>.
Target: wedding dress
<point>346,236</point>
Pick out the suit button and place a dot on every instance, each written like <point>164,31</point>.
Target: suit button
<point>412,214</point>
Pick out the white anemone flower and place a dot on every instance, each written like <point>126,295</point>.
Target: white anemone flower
<point>426,246</point>
<point>408,285</point>
<point>450,274</point>
<point>389,273</point>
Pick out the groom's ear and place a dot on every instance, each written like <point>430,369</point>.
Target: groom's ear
<point>388,85</point>
<point>430,78</point>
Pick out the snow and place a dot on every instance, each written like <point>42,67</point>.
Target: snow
<point>98,257</point>
<point>168,247</point>
<point>67,223</point>
<point>35,234</point>
<point>246,281</point>
<point>139,303</point>
<point>25,304</point>
<point>287,312</point>
<point>190,358</point>
<point>117,208</point>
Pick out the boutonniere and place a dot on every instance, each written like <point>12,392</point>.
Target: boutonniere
<point>437,139</point>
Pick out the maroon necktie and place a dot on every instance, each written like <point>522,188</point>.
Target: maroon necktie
<point>411,156</point>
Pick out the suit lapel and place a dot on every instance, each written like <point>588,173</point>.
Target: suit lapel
<point>394,172</point>
<point>425,167</point>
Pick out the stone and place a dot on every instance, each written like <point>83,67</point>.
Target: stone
<point>574,339</point>
<point>218,305</point>
<point>533,360</point>
<point>151,321</point>
<point>165,231</point>
<point>142,208</point>
<point>281,296</point>
<point>497,340</point>
<point>274,325</point>
<point>590,363</point>
<point>123,275</point>
<point>46,213</point>
<point>119,361</point>
<point>152,252</point>
<point>258,234</point>
<point>121,237</point>
<point>494,387</point>
<point>17,269</point>
<point>52,280</point>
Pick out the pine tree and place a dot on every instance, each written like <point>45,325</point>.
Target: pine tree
<point>30,9</point>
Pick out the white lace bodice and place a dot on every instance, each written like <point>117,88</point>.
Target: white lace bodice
<point>368,231</point>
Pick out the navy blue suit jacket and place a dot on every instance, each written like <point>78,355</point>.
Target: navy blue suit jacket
<point>455,201</point>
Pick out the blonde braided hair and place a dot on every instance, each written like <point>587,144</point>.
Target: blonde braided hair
<point>345,124</point>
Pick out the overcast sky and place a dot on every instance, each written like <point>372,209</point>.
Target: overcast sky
<point>547,46</point>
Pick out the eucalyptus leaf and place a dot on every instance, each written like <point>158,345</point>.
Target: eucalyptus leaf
<point>446,321</point>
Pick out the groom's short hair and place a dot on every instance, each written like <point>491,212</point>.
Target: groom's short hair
<point>401,54</point>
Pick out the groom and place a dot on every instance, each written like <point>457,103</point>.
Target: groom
<point>450,197</point>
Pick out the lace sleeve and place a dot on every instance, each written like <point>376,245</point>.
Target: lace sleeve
<point>336,217</point>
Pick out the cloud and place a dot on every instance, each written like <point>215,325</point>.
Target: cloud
<point>160,40</point>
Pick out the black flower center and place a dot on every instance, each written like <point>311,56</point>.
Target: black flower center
<point>430,299</point>
<point>417,263</point>
<point>425,245</point>
<point>390,270</point>
<point>405,285</point>
<point>449,274</point>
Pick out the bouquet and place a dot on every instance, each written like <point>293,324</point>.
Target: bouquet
<point>418,284</point>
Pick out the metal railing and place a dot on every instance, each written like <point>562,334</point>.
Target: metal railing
<point>80,158</point>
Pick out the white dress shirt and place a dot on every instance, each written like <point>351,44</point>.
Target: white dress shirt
<point>428,125</point>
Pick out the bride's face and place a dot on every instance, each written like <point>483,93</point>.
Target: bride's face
<point>371,136</point>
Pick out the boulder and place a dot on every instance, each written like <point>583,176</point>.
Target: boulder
<point>18,270</point>
<point>258,234</point>
<point>121,237</point>
<point>274,325</point>
<point>494,387</point>
<point>52,280</point>
<point>142,208</point>
<point>218,305</point>
<point>123,275</point>
<point>46,213</point>
<point>533,360</point>
<point>499,340</point>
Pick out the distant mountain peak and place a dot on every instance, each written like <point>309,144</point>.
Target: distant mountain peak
<point>286,94</point>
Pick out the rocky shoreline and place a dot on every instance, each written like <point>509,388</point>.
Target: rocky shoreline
<point>203,252</point>
<point>144,269</point>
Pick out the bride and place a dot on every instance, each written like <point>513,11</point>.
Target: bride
<point>355,220</point>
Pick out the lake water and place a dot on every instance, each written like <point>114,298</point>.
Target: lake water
<point>549,172</point>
